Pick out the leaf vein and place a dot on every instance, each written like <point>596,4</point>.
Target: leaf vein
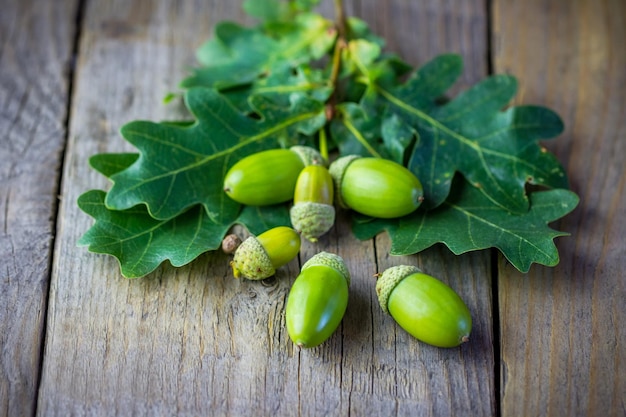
<point>521,239</point>
<point>208,158</point>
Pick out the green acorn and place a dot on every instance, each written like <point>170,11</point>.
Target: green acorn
<point>376,187</point>
<point>268,177</point>
<point>313,213</point>
<point>424,306</point>
<point>259,257</point>
<point>317,300</point>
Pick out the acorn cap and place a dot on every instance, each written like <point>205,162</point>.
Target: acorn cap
<point>388,280</point>
<point>251,261</point>
<point>331,260</point>
<point>309,156</point>
<point>337,169</point>
<point>312,220</point>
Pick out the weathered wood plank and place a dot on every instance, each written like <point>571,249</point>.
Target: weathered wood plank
<point>422,379</point>
<point>561,329</point>
<point>36,40</point>
<point>116,346</point>
<point>194,341</point>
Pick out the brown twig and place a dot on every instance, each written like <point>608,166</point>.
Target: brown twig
<point>340,19</point>
<point>340,45</point>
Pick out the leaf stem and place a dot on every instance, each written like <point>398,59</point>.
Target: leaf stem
<point>334,72</point>
<point>340,17</point>
<point>340,45</point>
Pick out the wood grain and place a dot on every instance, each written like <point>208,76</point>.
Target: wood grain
<point>563,339</point>
<point>35,57</point>
<point>195,341</point>
<point>116,346</point>
<point>425,380</point>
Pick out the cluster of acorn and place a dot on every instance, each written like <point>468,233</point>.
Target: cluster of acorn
<point>425,307</point>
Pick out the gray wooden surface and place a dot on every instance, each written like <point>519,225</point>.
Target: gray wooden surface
<point>76,338</point>
<point>35,61</point>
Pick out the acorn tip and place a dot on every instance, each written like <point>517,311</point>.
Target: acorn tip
<point>236,271</point>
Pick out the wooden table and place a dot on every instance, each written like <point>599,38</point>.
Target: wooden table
<point>76,338</point>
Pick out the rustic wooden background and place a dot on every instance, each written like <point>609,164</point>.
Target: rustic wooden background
<point>78,339</point>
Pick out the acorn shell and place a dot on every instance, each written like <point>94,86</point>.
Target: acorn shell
<point>317,300</point>
<point>258,257</point>
<point>268,177</point>
<point>281,244</point>
<point>376,187</point>
<point>314,185</point>
<point>424,306</point>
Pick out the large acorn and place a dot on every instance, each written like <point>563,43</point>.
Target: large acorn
<point>317,300</point>
<point>376,187</point>
<point>258,257</point>
<point>313,213</point>
<point>268,177</point>
<point>424,306</point>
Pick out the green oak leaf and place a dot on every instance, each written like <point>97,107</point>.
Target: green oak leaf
<point>277,10</point>
<point>367,129</point>
<point>366,59</point>
<point>256,219</point>
<point>359,127</point>
<point>259,219</point>
<point>470,221</point>
<point>238,55</point>
<point>359,29</point>
<point>397,137</point>
<point>496,150</point>
<point>358,56</point>
<point>109,164</point>
<point>141,243</point>
<point>281,85</point>
<point>355,132</point>
<point>181,166</point>
<point>268,10</point>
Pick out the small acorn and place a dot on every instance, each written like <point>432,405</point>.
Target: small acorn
<point>313,213</point>
<point>424,306</point>
<point>259,257</point>
<point>317,300</point>
<point>375,187</point>
<point>268,177</point>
